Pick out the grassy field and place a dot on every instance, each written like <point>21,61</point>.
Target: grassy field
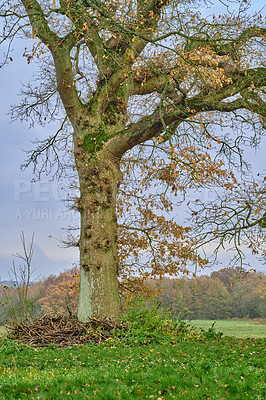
<point>236,328</point>
<point>215,369</point>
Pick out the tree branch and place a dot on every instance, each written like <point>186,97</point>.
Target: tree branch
<point>39,24</point>
<point>155,124</point>
<point>146,24</point>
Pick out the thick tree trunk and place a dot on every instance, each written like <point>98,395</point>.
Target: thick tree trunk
<point>99,182</point>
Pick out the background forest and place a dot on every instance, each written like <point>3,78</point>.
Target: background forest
<point>227,293</point>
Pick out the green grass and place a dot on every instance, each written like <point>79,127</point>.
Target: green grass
<point>215,369</point>
<point>236,328</point>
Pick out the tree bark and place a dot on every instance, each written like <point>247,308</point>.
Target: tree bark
<point>100,177</point>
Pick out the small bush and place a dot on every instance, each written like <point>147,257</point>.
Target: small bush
<point>147,323</point>
<point>211,333</point>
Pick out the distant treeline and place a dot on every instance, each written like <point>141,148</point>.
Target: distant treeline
<point>228,293</point>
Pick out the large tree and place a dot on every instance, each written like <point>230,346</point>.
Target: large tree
<point>127,73</point>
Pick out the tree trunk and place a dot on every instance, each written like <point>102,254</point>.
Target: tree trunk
<point>99,181</point>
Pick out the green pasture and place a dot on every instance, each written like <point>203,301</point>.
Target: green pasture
<point>236,328</point>
<point>213,369</point>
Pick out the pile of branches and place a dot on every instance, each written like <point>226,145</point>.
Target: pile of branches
<point>63,331</point>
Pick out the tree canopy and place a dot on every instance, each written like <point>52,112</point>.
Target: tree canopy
<point>182,91</point>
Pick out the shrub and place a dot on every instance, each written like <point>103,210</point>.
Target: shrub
<point>147,322</point>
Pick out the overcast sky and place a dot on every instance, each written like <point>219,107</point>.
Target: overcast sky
<point>36,206</point>
<point>26,205</point>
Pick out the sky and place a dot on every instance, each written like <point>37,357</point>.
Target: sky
<point>36,207</point>
<point>31,207</point>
